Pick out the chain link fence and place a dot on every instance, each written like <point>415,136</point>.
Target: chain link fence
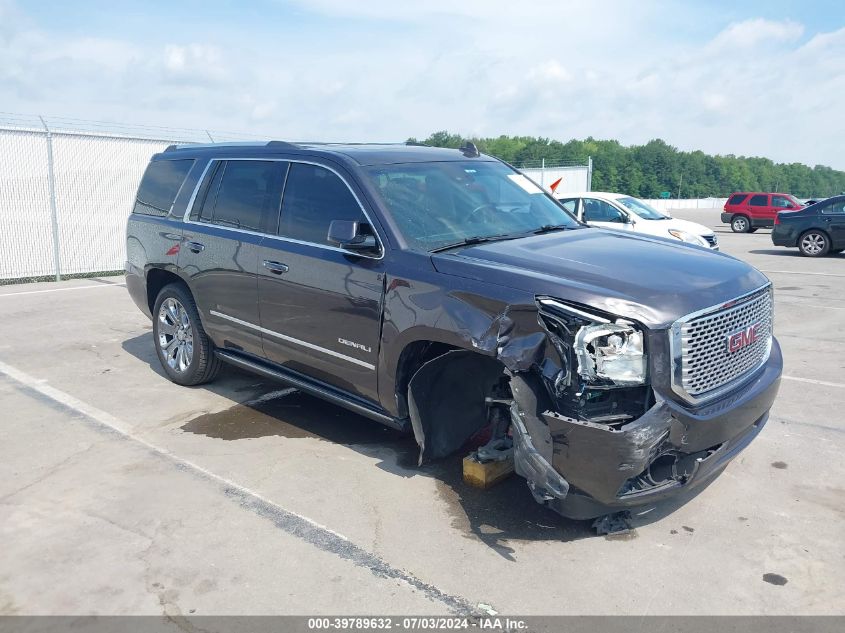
<point>565,175</point>
<point>66,188</point>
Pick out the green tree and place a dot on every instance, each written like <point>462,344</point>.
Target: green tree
<point>646,170</point>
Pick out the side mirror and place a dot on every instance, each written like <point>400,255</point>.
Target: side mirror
<point>347,234</point>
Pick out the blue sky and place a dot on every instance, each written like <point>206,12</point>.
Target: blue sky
<point>753,78</point>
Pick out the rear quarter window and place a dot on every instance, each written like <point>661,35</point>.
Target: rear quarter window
<point>570,204</point>
<point>737,198</point>
<point>160,185</point>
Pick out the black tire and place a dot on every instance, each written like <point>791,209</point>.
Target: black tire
<point>814,243</point>
<point>740,224</point>
<point>176,326</point>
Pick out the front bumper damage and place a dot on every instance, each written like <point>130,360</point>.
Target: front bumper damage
<point>586,446</point>
<point>584,470</point>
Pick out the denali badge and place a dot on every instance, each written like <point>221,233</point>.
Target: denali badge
<point>743,338</point>
<point>360,346</point>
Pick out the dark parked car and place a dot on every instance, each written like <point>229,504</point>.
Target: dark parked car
<point>748,211</point>
<point>816,230</point>
<point>440,292</point>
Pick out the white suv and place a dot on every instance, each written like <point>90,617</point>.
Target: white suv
<point>622,212</point>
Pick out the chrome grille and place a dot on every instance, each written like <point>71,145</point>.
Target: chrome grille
<point>704,364</point>
<point>711,240</point>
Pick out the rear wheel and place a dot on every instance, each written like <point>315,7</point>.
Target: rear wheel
<point>740,224</point>
<point>184,350</point>
<point>813,243</point>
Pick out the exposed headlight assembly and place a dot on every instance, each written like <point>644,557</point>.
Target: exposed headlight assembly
<point>689,238</point>
<point>613,351</point>
<point>606,349</point>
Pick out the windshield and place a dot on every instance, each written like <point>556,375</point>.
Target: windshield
<point>438,204</point>
<point>643,210</point>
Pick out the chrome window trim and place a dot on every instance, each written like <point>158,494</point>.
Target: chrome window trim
<point>291,339</point>
<point>675,350</point>
<point>182,186</point>
<point>186,218</point>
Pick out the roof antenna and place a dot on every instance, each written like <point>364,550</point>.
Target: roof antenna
<point>469,149</point>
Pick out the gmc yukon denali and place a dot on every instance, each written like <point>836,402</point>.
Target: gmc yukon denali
<point>443,293</point>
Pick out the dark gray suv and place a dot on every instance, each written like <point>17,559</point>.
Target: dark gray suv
<point>440,292</point>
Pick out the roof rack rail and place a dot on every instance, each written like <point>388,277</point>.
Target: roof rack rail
<point>282,145</point>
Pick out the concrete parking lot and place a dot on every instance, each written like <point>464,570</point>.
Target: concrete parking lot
<point>122,493</point>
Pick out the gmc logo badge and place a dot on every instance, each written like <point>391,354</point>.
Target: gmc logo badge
<point>743,338</point>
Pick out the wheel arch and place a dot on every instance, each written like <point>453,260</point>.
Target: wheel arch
<point>815,229</point>
<point>417,353</point>
<point>157,278</point>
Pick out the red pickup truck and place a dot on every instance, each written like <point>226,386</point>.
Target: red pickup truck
<point>747,211</point>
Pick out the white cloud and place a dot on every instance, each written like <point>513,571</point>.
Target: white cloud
<point>189,67</point>
<point>756,32</point>
<point>555,69</point>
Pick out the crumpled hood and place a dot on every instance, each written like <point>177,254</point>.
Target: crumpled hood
<point>650,279</point>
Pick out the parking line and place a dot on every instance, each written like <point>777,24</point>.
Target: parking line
<point>37,292</point>
<point>320,536</point>
<point>815,382</point>
<point>795,272</point>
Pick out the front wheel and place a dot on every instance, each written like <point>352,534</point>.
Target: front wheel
<point>184,350</point>
<point>740,224</point>
<point>813,244</point>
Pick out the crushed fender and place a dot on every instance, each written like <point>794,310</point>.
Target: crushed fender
<point>445,408</point>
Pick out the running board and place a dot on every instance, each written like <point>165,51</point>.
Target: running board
<point>303,384</point>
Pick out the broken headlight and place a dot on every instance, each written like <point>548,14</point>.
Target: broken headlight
<point>612,351</point>
<point>606,348</point>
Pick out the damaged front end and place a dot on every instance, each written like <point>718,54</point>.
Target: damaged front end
<point>591,432</point>
<point>594,417</point>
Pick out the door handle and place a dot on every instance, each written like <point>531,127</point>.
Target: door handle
<point>275,267</point>
<point>195,247</point>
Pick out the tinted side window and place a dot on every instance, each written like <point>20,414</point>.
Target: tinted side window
<point>737,198</point>
<point>314,196</point>
<point>159,186</point>
<point>244,192</point>
<point>834,208</point>
<point>759,201</point>
<point>601,211</point>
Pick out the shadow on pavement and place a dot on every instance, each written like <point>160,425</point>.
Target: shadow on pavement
<point>505,513</point>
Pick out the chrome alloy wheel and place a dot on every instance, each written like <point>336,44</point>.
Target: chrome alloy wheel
<point>175,335</point>
<point>740,225</point>
<point>813,243</point>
